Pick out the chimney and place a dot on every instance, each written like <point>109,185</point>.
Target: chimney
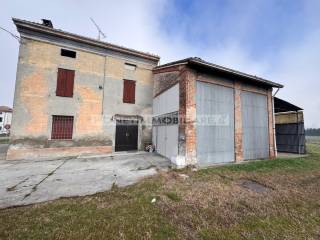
<point>47,23</point>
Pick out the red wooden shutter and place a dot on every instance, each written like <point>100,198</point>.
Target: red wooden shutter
<point>65,83</point>
<point>62,127</point>
<point>129,91</point>
<point>69,84</point>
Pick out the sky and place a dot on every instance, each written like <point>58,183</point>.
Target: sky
<point>275,39</point>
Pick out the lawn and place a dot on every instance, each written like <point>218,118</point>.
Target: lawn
<point>276,199</point>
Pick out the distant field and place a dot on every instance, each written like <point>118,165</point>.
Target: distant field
<point>313,139</point>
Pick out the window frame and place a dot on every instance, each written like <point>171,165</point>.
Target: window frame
<point>68,53</point>
<point>54,125</point>
<point>127,66</point>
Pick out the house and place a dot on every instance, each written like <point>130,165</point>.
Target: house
<point>5,119</point>
<point>76,95</point>
<point>289,123</point>
<point>206,114</point>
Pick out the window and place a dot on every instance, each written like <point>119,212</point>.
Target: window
<point>65,83</point>
<point>1,119</point>
<point>129,91</point>
<point>129,66</point>
<point>62,127</point>
<point>0,127</point>
<point>68,53</point>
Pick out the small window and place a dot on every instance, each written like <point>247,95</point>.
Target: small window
<point>130,67</point>
<point>1,119</point>
<point>68,53</point>
<point>0,127</point>
<point>62,127</point>
<point>129,91</point>
<point>65,81</point>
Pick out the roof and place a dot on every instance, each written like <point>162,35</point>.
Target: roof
<point>5,109</point>
<point>196,61</point>
<point>284,106</point>
<point>91,41</point>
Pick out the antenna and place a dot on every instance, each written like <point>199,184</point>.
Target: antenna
<point>13,35</point>
<point>100,33</point>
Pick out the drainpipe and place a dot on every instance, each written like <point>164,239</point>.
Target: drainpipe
<point>274,124</point>
<point>104,80</point>
<point>297,113</point>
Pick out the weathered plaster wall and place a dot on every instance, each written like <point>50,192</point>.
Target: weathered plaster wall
<point>98,89</point>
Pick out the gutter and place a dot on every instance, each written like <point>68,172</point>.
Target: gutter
<point>274,125</point>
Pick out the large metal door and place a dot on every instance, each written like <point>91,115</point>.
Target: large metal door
<point>255,125</point>
<point>126,135</point>
<point>166,140</point>
<point>215,124</point>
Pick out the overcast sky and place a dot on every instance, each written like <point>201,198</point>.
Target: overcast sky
<point>278,40</point>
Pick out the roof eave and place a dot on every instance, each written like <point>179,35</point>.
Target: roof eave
<point>33,26</point>
<point>223,69</point>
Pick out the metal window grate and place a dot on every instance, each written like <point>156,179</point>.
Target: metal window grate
<point>62,127</point>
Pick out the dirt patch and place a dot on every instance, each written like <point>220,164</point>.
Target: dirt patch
<point>253,186</point>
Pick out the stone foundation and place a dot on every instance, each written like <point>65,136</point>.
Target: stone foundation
<point>59,152</point>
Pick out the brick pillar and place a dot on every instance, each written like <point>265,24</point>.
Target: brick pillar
<point>238,122</point>
<point>272,148</point>
<point>191,142</point>
<point>187,113</point>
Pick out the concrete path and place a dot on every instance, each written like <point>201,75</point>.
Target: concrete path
<point>25,182</point>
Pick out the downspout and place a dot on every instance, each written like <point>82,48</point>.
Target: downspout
<point>297,113</point>
<point>274,124</point>
<point>104,80</point>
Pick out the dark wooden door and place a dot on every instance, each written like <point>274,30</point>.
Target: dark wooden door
<point>126,135</point>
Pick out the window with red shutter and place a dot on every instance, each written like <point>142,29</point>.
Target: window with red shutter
<point>62,127</point>
<point>65,83</point>
<point>129,91</point>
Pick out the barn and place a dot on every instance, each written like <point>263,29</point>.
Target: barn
<point>289,123</point>
<point>206,114</point>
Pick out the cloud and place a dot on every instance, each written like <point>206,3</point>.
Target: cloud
<point>276,40</point>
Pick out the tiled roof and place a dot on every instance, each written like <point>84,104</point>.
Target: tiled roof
<point>5,109</point>
<point>196,61</point>
<point>91,41</point>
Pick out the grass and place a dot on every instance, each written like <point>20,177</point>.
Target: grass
<point>4,140</point>
<point>210,204</point>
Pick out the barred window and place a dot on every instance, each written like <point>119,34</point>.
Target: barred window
<point>62,127</point>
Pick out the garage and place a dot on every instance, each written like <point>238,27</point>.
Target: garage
<point>166,140</point>
<point>215,124</point>
<point>224,116</point>
<point>255,125</point>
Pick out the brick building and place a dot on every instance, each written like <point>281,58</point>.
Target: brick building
<point>76,95</point>
<point>5,119</point>
<point>207,114</point>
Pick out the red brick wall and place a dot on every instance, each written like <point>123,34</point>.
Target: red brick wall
<point>238,122</point>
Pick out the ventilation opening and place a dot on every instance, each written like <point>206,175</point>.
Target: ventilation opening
<point>68,53</point>
<point>129,66</point>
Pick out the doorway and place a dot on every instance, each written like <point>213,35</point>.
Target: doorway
<point>126,135</point>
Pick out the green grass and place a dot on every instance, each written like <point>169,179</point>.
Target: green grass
<point>4,140</point>
<point>173,196</point>
<point>210,204</point>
